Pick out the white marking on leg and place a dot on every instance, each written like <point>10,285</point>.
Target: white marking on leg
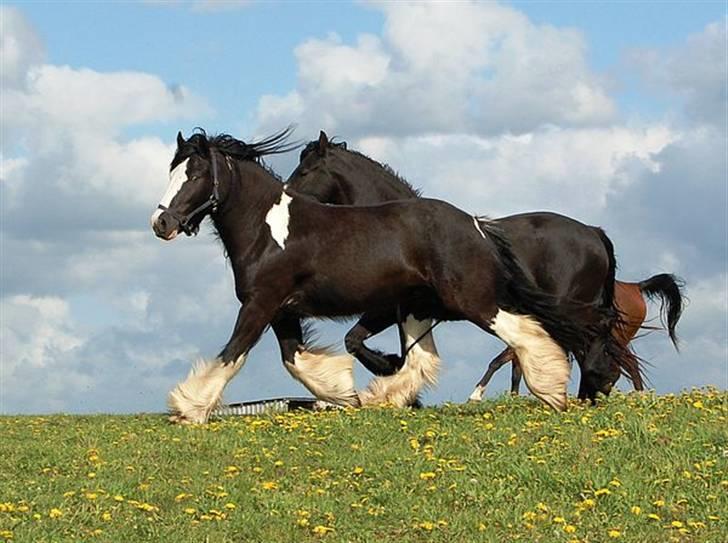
<point>192,400</point>
<point>543,362</point>
<point>419,371</point>
<point>177,178</point>
<point>277,220</point>
<point>329,376</point>
<point>477,394</point>
<point>478,228</point>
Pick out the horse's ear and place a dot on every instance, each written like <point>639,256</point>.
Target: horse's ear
<point>180,139</point>
<point>323,143</point>
<point>343,145</point>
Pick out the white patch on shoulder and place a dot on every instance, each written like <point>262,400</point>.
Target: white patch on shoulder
<point>277,219</point>
<point>477,227</point>
<point>177,178</point>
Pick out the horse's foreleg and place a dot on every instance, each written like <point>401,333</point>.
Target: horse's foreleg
<point>194,399</point>
<point>329,376</point>
<point>497,363</point>
<point>370,324</point>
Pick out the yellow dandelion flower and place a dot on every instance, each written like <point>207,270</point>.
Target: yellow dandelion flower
<point>569,528</point>
<point>6,534</point>
<point>269,485</point>
<point>614,534</point>
<point>106,516</point>
<point>190,510</point>
<point>321,530</point>
<point>653,516</point>
<point>36,516</point>
<point>118,498</point>
<point>602,492</point>
<point>358,470</point>
<point>559,520</point>
<point>427,475</point>
<point>659,503</point>
<point>55,513</point>
<point>426,525</point>
<point>182,496</point>
<point>542,507</point>
<point>230,506</point>
<point>698,404</point>
<point>676,524</point>
<point>91,495</point>
<point>481,527</point>
<point>69,494</point>
<point>303,522</point>
<point>636,509</point>
<point>713,517</point>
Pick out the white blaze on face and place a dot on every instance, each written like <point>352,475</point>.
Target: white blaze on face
<point>177,178</point>
<point>277,219</point>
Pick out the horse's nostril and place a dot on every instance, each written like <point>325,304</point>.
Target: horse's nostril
<point>162,222</point>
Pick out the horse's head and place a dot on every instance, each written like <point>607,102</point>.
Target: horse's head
<point>315,163</point>
<point>193,189</point>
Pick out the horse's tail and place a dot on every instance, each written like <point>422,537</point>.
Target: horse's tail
<point>668,288</point>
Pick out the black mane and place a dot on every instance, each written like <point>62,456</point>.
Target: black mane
<point>199,143</point>
<point>313,145</point>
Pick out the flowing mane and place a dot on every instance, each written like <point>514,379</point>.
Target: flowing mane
<point>314,146</point>
<point>200,143</point>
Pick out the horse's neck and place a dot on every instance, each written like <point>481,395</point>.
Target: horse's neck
<point>368,183</point>
<point>252,192</point>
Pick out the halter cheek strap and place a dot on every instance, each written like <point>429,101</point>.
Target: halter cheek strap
<point>211,202</point>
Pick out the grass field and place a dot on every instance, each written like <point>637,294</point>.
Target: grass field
<point>637,468</point>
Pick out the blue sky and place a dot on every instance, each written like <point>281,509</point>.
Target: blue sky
<point>613,113</point>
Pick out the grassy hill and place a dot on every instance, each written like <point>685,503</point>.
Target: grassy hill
<point>636,468</point>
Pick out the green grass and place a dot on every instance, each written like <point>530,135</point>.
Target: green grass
<point>504,470</point>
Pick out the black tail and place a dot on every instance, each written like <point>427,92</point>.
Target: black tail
<point>565,322</point>
<point>667,287</point>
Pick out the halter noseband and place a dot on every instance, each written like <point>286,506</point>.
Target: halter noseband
<point>211,202</point>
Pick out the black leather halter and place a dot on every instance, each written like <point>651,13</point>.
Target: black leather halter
<point>211,202</point>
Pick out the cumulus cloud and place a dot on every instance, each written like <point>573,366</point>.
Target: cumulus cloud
<point>441,68</point>
<point>696,71</point>
<point>20,47</point>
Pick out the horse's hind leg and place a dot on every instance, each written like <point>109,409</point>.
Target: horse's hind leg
<point>516,375</point>
<point>420,369</point>
<point>497,363</point>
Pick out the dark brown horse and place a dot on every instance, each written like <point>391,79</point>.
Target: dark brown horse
<point>293,257</point>
<point>564,257</point>
<point>630,299</point>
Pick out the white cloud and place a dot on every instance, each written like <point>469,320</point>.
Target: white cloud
<point>444,67</point>
<point>567,170</point>
<point>697,71</point>
<point>20,47</point>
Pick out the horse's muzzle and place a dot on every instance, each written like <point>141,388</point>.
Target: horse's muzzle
<point>166,226</point>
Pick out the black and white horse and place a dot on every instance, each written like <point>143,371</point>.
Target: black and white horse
<point>568,259</point>
<point>293,257</point>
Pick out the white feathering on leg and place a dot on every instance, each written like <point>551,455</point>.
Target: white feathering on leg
<point>192,401</point>
<point>329,376</point>
<point>545,366</point>
<point>420,369</point>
